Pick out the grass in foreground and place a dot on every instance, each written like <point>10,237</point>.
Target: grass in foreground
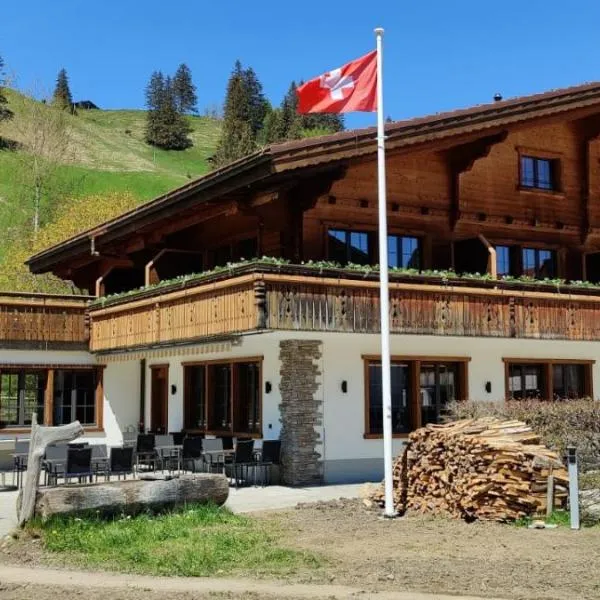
<point>198,540</point>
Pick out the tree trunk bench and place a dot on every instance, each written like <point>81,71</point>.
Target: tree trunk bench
<point>131,497</point>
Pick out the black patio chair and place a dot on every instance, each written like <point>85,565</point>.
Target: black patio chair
<point>242,460</point>
<point>99,459</point>
<point>178,437</point>
<point>212,455</point>
<point>79,464</point>
<point>227,442</point>
<point>121,462</point>
<point>20,458</point>
<point>55,461</point>
<point>269,456</point>
<point>145,450</point>
<point>192,452</point>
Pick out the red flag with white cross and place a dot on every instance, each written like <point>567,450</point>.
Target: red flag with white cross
<point>350,88</point>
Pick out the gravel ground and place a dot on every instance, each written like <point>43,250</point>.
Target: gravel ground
<point>410,554</point>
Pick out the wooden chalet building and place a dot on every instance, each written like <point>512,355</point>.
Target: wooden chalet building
<point>288,347</point>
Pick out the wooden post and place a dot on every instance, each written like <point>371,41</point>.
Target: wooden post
<point>41,437</point>
<point>49,398</point>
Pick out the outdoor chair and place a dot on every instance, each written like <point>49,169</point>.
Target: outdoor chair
<point>192,452</point>
<point>21,456</point>
<point>213,457</point>
<point>227,442</point>
<point>178,437</point>
<point>243,459</point>
<point>55,461</point>
<point>79,464</point>
<point>167,455</point>
<point>99,459</point>
<point>145,450</point>
<point>121,462</point>
<point>269,456</point>
<point>130,438</point>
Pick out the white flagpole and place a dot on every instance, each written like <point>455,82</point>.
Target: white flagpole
<point>384,289</point>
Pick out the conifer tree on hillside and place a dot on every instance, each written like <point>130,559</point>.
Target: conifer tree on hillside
<point>5,113</point>
<point>166,127</point>
<point>272,130</point>
<point>62,94</point>
<point>291,128</point>
<point>185,90</point>
<point>242,110</point>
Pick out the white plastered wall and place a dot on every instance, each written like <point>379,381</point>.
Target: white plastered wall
<point>343,414</point>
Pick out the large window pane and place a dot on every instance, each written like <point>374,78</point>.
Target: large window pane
<point>545,263</point>
<point>527,171</point>
<point>337,246</point>
<point>75,397</point>
<point>503,260</point>
<point>359,248</point>
<point>404,252</point>
<point>248,398</point>
<point>568,381</point>
<point>438,387</point>
<point>526,381</point>
<point>400,398</point>
<point>544,174</point>
<point>529,262</point>
<point>34,387</point>
<point>9,399</point>
<point>220,379</point>
<point>195,417</point>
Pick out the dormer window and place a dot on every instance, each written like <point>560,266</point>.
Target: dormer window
<point>539,173</point>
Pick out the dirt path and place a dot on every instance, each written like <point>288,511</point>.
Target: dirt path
<point>15,584</point>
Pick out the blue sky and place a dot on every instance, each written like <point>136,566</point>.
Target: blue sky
<point>439,54</point>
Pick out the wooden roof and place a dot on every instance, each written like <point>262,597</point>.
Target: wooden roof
<point>289,159</point>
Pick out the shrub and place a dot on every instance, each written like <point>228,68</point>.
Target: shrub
<point>559,424</point>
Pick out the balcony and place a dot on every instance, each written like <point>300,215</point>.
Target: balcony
<point>260,296</point>
<point>43,322</point>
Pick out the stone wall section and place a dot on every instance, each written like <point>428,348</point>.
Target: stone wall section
<point>301,412</point>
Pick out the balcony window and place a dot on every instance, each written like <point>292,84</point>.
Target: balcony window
<point>538,173</point>
<point>503,263</point>
<point>21,395</point>
<point>539,263</point>
<point>404,252</point>
<point>348,247</point>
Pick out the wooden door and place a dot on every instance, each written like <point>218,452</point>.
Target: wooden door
<point>159,399</point>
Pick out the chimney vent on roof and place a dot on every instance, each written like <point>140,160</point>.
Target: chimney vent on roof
<point>497,97</point>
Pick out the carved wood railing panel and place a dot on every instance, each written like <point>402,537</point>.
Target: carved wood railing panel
<point>456,311</point>
<point>203,311</point>
<point>307,303</point>
<point>38,321</point>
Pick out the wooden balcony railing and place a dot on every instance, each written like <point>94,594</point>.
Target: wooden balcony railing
<point>291,298</point>
<point>43,322</point>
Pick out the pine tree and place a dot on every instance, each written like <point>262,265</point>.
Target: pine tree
<point>237,135</point>
<point>257,104</point>
<point>272,130</point>
<point>185,90</point>
<point>166,127</point>
<point>62,94</point>
<point>292,122</point>
<point>5,113</point>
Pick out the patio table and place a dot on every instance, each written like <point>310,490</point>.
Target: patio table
<point>217,456</point>
<point>173,451</point>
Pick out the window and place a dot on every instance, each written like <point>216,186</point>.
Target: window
<point>348,247</point>
<point>223,397</point>
<point>21,394</point>
<point>438,384</point>
<point>538,173</point>
<point>75,397</point>
<point>404,252</point>
<point>539,263</point>
<point>542,380</point>
<point>195,397</point>
<point>421,391</point>
<point>503,263</point>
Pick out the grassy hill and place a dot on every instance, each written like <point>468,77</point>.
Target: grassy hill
<point>107,154</point>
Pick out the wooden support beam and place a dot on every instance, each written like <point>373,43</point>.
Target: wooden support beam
<point>461,159</point>
<point>492,268</point>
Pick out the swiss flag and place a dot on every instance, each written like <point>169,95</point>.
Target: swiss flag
<point>350,88</point>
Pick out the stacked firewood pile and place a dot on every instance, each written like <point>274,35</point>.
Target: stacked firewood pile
<point>476,469</point>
